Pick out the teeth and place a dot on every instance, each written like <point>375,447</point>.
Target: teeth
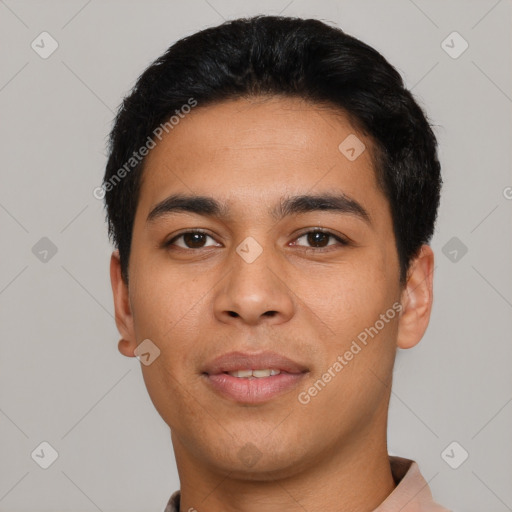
<point>254,373</point>
<point>241,373</point>
<point>262,373</point>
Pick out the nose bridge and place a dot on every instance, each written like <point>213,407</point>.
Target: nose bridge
<point>253,289</point>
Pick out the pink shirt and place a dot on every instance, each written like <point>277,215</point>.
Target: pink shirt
<point>412,493</point>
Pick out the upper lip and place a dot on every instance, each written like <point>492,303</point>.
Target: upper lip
<point>233,361</point>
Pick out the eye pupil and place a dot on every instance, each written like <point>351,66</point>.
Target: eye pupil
<point>193,239</point>
<point>317,237</point>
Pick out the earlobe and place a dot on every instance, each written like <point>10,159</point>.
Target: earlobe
<point>126,348</point>
<point>416,299</point>
<point>123,313</point>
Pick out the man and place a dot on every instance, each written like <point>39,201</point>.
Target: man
<point>271,191</point>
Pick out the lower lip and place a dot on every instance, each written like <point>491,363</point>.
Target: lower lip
<point>254,390</point>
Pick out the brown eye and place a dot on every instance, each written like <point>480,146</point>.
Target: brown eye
<point>319,239</point>
<point>190,240</point>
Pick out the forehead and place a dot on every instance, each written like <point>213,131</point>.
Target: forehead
<point>251,152</point>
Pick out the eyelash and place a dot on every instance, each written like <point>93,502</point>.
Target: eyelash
<point>342,241</point>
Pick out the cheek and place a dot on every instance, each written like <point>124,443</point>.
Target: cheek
<point>345,299</point>
<point>168,307</point>
<point>161,294</point>
<point>354,319</point>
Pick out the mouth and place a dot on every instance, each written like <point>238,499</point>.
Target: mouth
<point>253,378</point>
<point>256,374</point>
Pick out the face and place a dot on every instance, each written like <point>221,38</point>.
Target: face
<point>307,287</point>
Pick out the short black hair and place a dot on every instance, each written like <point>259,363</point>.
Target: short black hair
<point>292,57</point>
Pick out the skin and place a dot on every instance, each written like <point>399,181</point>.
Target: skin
<point>197,303</point>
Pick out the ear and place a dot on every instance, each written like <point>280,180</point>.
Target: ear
<point>123,313</point>
<point>416,299</point>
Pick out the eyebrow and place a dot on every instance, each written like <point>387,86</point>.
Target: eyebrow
<point>210,207</point>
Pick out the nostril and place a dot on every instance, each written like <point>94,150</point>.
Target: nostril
<point>233,314</point>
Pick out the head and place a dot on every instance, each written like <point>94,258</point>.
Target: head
<point>312,176</point>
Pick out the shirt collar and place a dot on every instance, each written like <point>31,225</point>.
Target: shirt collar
<point>412,493</point>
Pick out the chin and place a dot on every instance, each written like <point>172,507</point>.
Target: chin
<point>250,463</point>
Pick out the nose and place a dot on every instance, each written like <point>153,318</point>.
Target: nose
<point>254,292</point>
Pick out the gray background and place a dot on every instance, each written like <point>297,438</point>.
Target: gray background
<point>62,379</point>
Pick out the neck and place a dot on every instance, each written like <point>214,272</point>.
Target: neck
<point>353,477</point>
